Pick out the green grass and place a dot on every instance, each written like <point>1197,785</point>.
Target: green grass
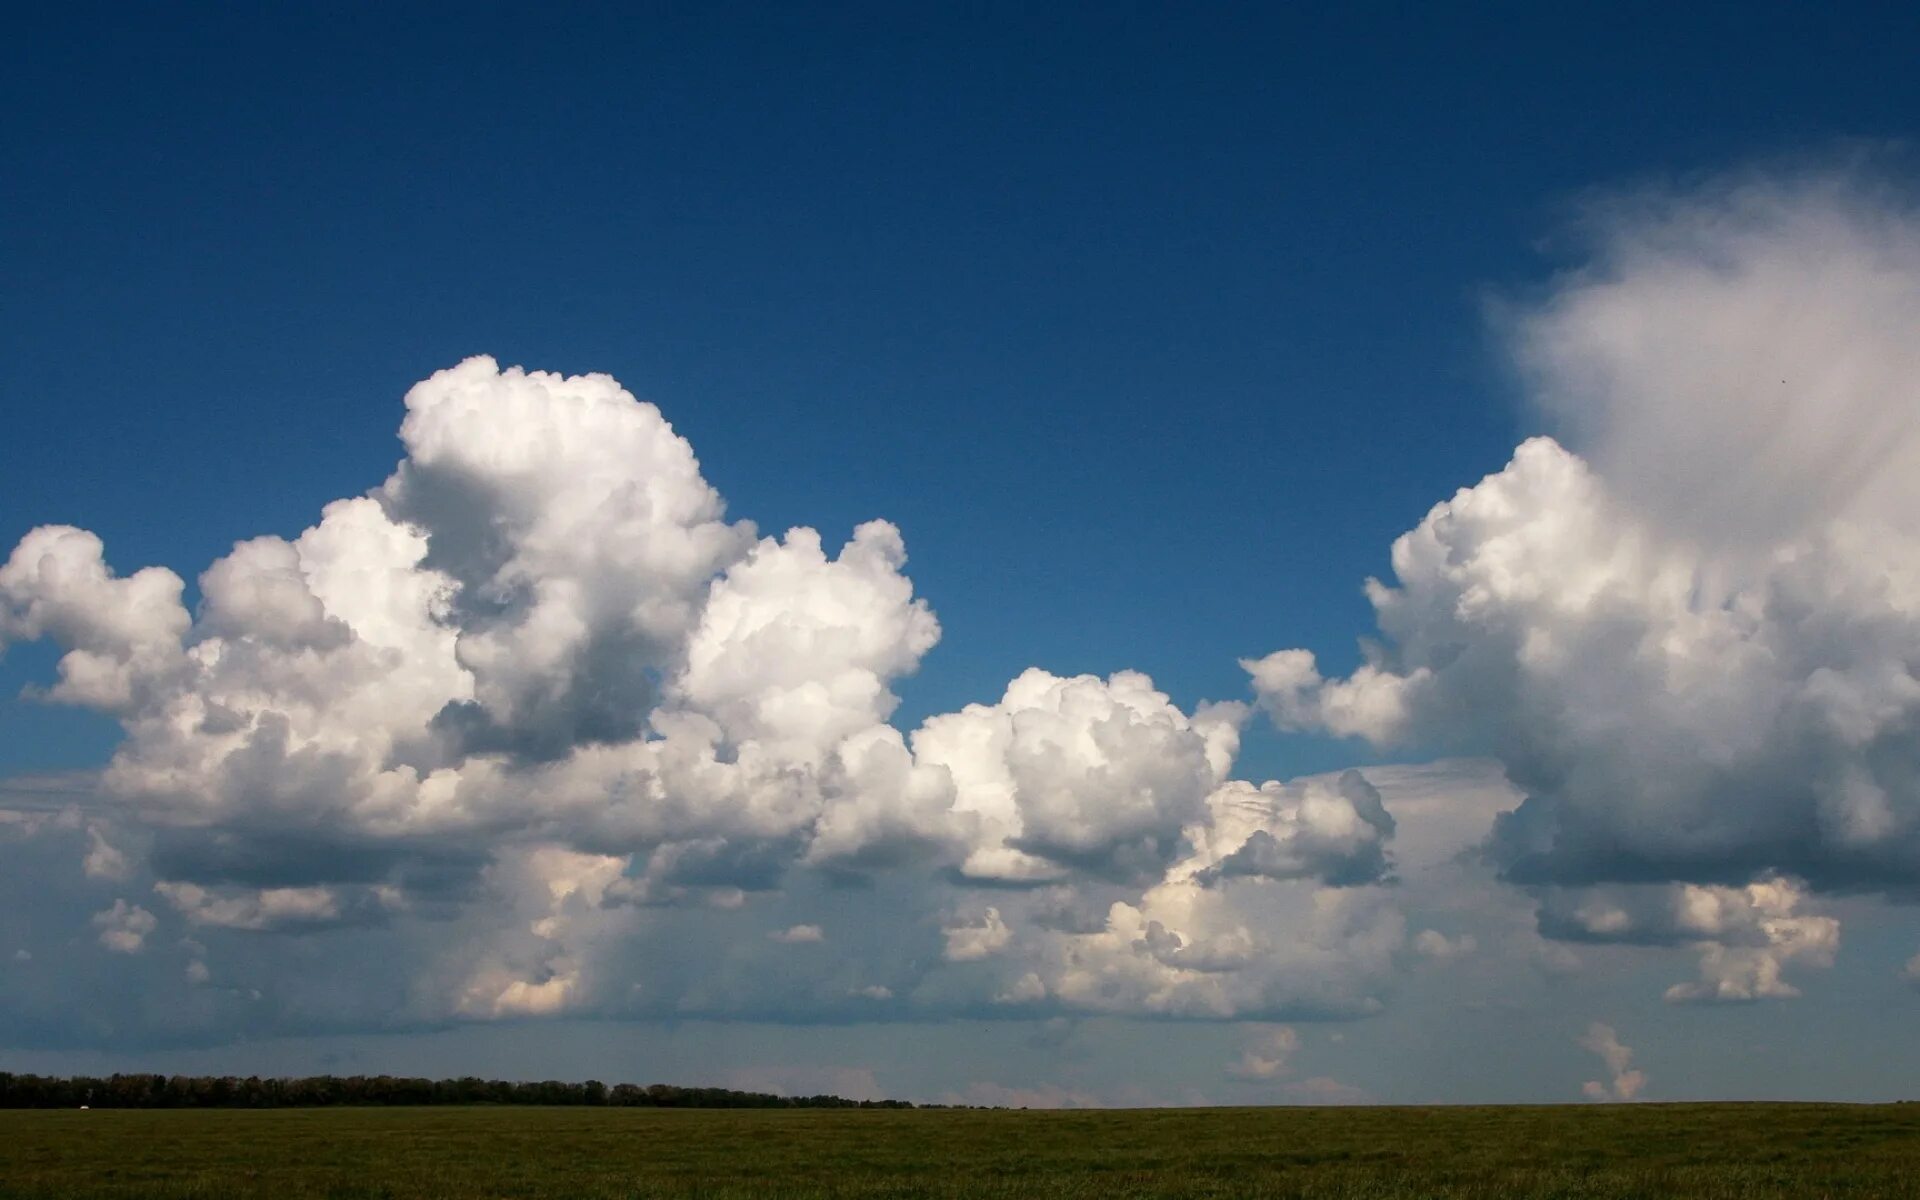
<point>1706,1150</point>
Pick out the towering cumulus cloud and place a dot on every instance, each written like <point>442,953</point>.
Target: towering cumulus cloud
<point>1693,640</point>
<point>537,717</point>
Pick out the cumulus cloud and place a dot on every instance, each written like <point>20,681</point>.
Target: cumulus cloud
<point>535,702</point>
<point>1431,943</point>
<point>797,935</point>
<point>1266,1056</point>
<point>124,927</point>
<point>1623,1081</point>
<point>977,939</point>
<point>1081,773</point>
<point>1694,645</point>
<point>1746,937</point>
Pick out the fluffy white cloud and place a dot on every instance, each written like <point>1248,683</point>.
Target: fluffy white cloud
<point>1623,1081</point>
<point>122,636</point>
<point>1431,943</point>
<point>797,935</point>
<point>1746,936</point>
<point>533,709</point>
<point>1267,1055</point>
<point>124,927</point>
<point>1334,830</point>
<point>1698,650</point>
<point>1081,773</point>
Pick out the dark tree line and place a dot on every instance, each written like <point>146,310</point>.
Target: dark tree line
<point>319,1091</point>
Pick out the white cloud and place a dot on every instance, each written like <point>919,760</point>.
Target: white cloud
<point>1746,937</point>
<point>534,704</point>
<point>104,860</point>
<point>1431,943</point>
<point>252,909</point>
<point>1697,652</point>
<point>797,935</point>
<point>1737,359</point>
<point>1080,773</point>
<point>1267,1055</point>
<point>124,927</point>
<point>980,938</point>
<point>1623,1081</point>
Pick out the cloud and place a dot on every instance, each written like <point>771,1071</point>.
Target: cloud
<point>541,722</point>
<point>1736,358</point>
<point>1431,943</point>
<point>253,909</point>
<point>1746,937</point>
<point>104,860</point>
<point>1266,1056</point>
<point>1078,774</point>
<point>124,927</point>
<point>1623,1082</point>
<point>797,935</point>
<point>1694,645</point>
<point>970,941</point>
<point>1332,830</point>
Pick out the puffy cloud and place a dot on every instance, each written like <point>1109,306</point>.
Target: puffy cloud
<point>1266,1056</point>
<point>104,860</point>
<point>537,718</point>
<point>1252,949</point>
<point>1078,774</point>
<point>124,927</point>
<point>1332,830</point>
<point>1746,936</point>
<point>976,939</point>
<point>579,539</point>
<point>1431,943</point>
<point>1737,358</point>
<point>1623,1082</point>
<point>797,935</point>
<point>1697,649</point>
<point>797,650</point>
<point>122,636</point>
<point>259,909</point>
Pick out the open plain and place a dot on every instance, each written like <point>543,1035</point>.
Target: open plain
<point>1688,1150</point>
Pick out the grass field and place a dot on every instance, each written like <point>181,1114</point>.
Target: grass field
<point>406,1153</point>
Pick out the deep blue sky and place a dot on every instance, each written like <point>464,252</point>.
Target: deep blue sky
<point>1149,325</point>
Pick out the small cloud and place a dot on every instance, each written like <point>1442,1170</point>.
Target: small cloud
<point>1438,946</point>
<point>1028,989</point>
<point>104,860</point>
<point>797,935</point>
<point>873,991</point>
<point>23,956</point>
<point>124,927</point>
<point>977,940</point>
<point>197,972</point>
<point>1625,1082</point>
<point>1266,1056</point>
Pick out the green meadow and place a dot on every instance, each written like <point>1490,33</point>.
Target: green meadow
<point>1705,1150</point>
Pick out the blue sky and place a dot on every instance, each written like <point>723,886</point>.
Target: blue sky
<point>1149,331</point>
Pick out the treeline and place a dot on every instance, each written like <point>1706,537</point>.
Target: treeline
<point>321,1091</point>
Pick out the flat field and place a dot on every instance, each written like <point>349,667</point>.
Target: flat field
<point>1705,1150</point>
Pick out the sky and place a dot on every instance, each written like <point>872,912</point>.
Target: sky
<point>1102,556</point>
